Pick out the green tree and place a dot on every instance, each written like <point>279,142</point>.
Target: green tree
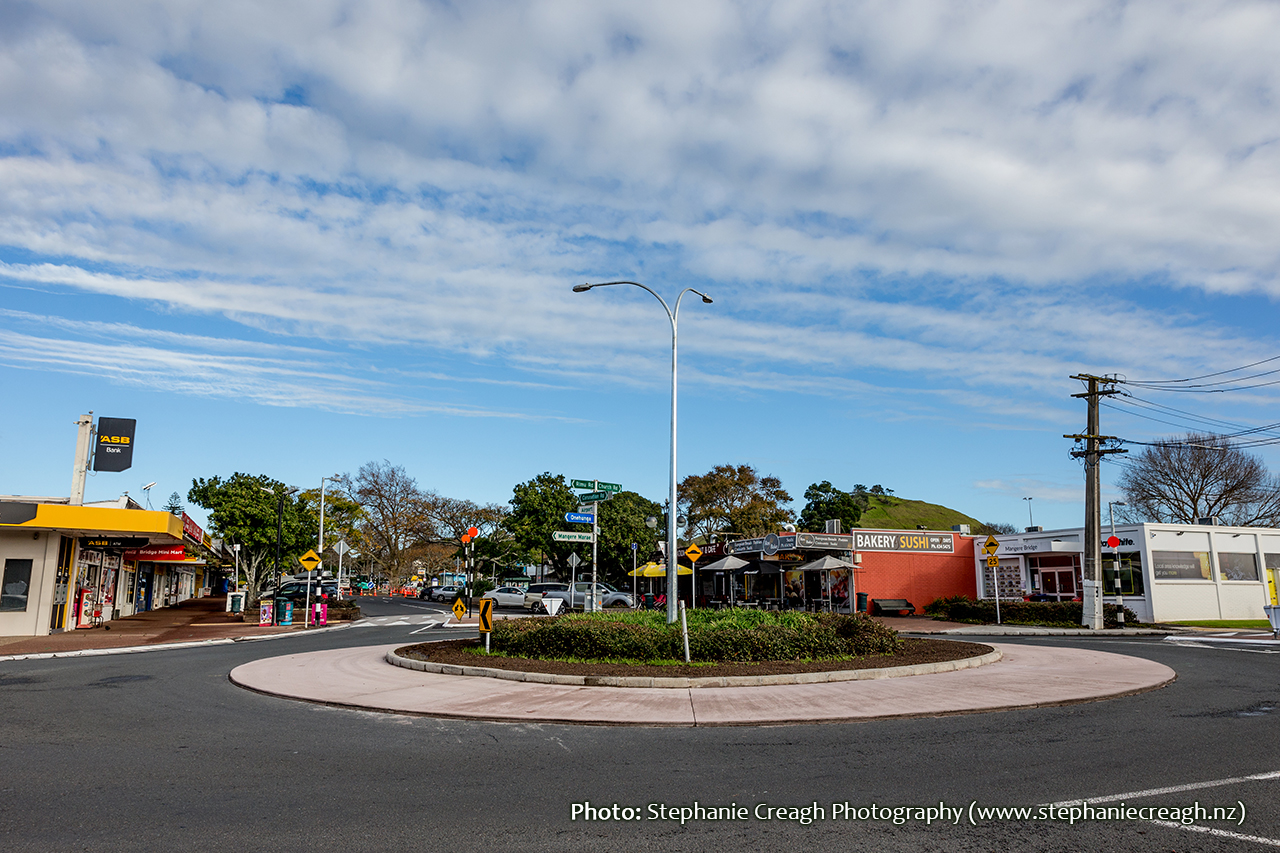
<point>733,499</point>
<point>621,523</point>
<point>243,510</point>
<point>537,511</point>
<point>174,505</point>
<point>824,502</point>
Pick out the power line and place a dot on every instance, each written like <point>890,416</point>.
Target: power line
<point>1206,375</point>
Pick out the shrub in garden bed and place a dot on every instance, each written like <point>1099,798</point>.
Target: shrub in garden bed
<point>1052,614</point>
<point>714,635</point>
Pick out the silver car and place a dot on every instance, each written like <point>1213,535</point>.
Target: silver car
<point>608,595</point>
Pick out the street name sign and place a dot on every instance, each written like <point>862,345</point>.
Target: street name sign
<point>309,560</point>
<point>579,518</point>
<point>582,484</point>
<point>572,536</point>
<point>592,497</point>
<point>610,487</point>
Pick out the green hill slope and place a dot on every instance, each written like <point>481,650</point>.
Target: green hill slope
<point>894,513</point>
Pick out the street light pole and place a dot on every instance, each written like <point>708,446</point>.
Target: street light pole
<point>1031,522</point>
<point>275,599</point>
<point>673,316</point>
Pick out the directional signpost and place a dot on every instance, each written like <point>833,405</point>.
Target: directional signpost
<point>573,536</point>
<point>309,561</point>
<point>591,501</point>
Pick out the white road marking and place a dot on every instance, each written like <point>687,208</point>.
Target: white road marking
<point>1191,786</point>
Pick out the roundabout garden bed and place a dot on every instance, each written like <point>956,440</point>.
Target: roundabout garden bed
<point>722,643</point>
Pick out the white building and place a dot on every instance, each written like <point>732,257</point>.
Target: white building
<point>1166,572</point>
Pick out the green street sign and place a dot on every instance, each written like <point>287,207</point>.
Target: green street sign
<point>610,487</point>
<point>582,484</point>
<point>592,497</point>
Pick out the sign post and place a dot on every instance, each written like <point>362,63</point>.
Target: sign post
<point>693,552</point>
<point>993,562</point>
<point>309,561</point>
<point>602,492</point>
<point>486,620</point>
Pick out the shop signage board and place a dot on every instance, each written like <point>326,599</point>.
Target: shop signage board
<point>191,530</point>
<point>579,518</point>
<point>157,554</point>
<point>830,541</point>
<point>933,543</point>
<point>573,536</point>
<point>770,544</point>
<point>114,447</point>
<point>99,542</point>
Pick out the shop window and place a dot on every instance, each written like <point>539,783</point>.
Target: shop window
<point>1238,567</point>
<point>1130,573</point>
<point>14,585</point>
<point>1180,565</point>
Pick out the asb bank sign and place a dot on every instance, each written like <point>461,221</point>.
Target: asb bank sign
<point>114,447</point>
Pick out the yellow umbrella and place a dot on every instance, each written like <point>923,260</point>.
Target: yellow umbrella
<point>653,570</point>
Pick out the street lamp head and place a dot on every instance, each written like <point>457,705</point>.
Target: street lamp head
<point>705,298</point>
<point>581,288</point>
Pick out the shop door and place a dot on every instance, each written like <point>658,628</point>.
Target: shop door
<point>1060,584</point>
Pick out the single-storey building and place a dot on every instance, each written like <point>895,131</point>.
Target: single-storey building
<point>1162,572</point>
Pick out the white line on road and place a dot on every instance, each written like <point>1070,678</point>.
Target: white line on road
<point>1220,833</point>
<point>1173,789</point>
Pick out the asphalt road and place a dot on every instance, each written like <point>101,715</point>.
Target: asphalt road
<point>160,752</point>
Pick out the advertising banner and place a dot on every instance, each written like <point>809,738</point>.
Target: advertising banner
<point>933,543</point>
<point>191,530</point>
<point>114,447</point>
<point>264,613</point>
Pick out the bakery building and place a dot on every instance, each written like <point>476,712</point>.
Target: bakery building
<point>1162,572</point>
<point>844,571</point>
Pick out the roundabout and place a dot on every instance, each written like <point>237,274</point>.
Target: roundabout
<point>1024,676</point>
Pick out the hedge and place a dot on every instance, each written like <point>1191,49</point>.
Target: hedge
<point>1049,613</point>
<point>719,635</point>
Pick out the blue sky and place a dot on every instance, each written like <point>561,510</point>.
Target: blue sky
<point>291,238</point>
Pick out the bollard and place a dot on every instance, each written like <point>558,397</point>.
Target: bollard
<point>684,629</point>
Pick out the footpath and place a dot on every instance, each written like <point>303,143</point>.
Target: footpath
<point>193,621</point>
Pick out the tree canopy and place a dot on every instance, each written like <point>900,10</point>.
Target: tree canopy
<point>824,502</point>
<point>1199,476</point>
<point>733,499</point>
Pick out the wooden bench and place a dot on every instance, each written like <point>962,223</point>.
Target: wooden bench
<point>891,606</point>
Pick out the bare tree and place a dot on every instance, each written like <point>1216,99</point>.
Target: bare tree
<point>1200,476</point>
<point>393,514</point>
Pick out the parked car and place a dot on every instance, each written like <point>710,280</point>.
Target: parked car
<point>446,593</point>
<point>533,595</point>
<point>427,592</point>
<point>609,596</point>
<point>297,591</point>
<point>506,596</point>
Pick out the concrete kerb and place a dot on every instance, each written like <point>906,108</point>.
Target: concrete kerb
<point>167,647</point>
<point>685,683</point>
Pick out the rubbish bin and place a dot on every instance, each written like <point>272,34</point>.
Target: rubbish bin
<point>1273,616</point>
<point>862,602</point>
<point>237,602</point>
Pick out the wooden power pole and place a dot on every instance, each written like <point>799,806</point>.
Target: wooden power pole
<point>1091,615</point>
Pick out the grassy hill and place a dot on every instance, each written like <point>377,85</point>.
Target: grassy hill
<point>892,513</point>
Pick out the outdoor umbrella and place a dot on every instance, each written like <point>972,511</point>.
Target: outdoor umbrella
<point>825,564</point>
<point>726,564</point>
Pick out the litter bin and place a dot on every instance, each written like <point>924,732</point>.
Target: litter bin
<point>862,602</point>
<point>237,602</point>
<point>1273,616</point>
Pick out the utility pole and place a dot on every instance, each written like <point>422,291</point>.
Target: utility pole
<point>84,449</point>
<point>1091,615</point>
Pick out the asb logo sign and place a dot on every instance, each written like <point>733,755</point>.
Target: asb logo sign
<point>114,451</point>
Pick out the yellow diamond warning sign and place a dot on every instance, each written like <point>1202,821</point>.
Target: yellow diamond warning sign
<point>459,609</point>
<point>991,545</point>
<point>693,552</point>
<point>309,560</point>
